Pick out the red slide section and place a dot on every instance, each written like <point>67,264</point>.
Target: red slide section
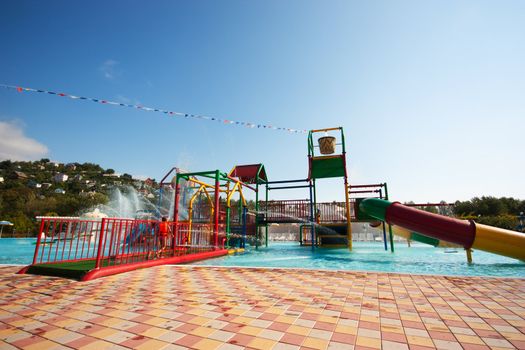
<point>451,230</point>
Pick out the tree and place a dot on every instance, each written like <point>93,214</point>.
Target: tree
<point>21,223</point>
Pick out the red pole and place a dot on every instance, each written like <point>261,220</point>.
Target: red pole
<point>100,239</point>
<point>176,228</point>
<point>38,239</point>
<point>217,210</point>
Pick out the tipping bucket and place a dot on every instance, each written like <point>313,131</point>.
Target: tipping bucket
<point>327,144</point>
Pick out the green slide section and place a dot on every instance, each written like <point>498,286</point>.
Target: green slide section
<point>375,208</point>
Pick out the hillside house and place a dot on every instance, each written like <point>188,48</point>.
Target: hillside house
<point>34,184</point>
<point>60,191</point>
<point>60,177</point>
<point>111,175</point>
<point>20,175</point>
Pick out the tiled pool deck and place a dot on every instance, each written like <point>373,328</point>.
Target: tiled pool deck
<point>180,307</point>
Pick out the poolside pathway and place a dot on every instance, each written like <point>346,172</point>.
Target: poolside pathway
<point>197,307</point>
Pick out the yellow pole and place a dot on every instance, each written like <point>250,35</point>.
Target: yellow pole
<point>469,255</point>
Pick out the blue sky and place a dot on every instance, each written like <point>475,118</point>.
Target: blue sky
<point>430,93</point>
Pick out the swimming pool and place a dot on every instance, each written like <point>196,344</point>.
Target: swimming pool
<point>17,251</point>
<point>365,256</point>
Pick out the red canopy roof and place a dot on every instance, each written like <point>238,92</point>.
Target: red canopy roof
<point>249,174</point>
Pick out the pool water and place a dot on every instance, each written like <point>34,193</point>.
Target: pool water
<point>365,256</point>
<point>17,251</point>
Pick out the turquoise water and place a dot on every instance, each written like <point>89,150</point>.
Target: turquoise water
<point>367,256</point>
<point>17,251</point>
<point>364,257</point>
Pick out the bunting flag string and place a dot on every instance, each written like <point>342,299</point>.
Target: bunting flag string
<point>150,109</point>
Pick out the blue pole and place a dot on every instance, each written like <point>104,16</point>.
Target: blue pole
<point>383,225</point>
<point>244,210</point>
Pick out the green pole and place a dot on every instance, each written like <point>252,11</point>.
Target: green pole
<point>315,212</point>
<point>239,213</point>
<point>390,234</point>
<point>256,213</point>
<point>266,224</point>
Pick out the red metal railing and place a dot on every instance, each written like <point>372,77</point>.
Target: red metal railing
<point>117,241</point>
<point>299,211</point>
<point>66,240</point>
<point>286,210</point>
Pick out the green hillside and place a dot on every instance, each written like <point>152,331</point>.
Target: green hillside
<point>45,188</point>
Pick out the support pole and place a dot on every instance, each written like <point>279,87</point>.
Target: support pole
<point>100,243</point>
<point>266,216</point>
<point>347,204</point>
<point>176,230</point>
<point>469,255</point>
<point>39,239</point>
<point>217,210</point>
<point>244,211</point>
<point>257,213</point>
<point>315,209</point>
<point>228,210</point>
<point>312,218</point>
<point>383,224</point>
<point>390,233</point>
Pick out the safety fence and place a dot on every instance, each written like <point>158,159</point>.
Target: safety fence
<point>118,241</point>
<point>299,211</point>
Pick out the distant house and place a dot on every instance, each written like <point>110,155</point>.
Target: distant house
<point>20,175</point>
<point>111,175</point>
<point>77,177</point>
<point>60,177</point>
<point>55,164</point>
<point>46,185</point>
<point>1,179</point>
<point>41,167</point>
<point>150,196</point>
<point>71,166</point>
<point>149,182</point>
<point>60,191</point>
<point>34,184</point>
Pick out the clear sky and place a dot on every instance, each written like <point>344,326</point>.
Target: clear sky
<point>431,94</point>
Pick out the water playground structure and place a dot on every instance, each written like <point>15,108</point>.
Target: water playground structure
<point>209,216</point>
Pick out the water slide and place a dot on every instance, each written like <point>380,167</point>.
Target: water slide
<point>465,233</point>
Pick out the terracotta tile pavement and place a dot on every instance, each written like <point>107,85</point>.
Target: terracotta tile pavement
<point>198,307</point>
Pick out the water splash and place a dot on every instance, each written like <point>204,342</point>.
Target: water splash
<point>124,202</point>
